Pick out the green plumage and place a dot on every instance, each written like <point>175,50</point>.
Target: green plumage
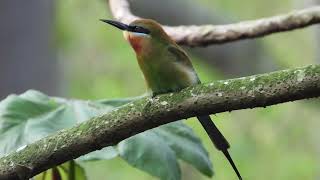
<point>167,68</point>
<point>164,71</point>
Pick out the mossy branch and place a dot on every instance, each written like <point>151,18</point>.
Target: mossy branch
<point>146,113</point>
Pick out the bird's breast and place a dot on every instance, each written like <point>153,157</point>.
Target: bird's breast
<point>136,44</point>
<point>167,77</point>
<point>138,41</point>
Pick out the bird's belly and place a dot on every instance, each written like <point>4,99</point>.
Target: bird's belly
<point>170,79</point>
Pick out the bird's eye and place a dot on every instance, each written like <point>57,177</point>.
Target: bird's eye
<point>140,29</point>
<point>137,28</point>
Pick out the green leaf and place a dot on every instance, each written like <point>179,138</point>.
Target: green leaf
<point>32,115</point>
<point>119,102</point>
<point>105,153</point>
<point>152,154</point>
<point>28,117</point>
<point>152,150</point>
<point>186,145</point>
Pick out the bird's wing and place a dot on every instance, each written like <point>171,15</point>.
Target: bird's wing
<point>180,56</point>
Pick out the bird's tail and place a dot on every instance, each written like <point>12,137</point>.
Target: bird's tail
<point>218,140</point>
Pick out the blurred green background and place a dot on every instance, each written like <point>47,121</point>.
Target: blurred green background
<point>80,57</point>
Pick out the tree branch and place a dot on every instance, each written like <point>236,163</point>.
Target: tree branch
<point>216,34</point>
<point>146,113</point>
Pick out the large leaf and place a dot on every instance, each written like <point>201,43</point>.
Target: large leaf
<point>152,154</point>
<point>30,116</point>
<point>33,115</point>
<point>155,151</point>
<point>187,146</point>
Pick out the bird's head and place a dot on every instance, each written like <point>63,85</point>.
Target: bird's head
<point>143,34</point>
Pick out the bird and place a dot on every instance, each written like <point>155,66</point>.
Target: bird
<point>167,68</point>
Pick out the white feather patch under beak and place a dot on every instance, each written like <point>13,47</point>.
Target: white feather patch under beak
<point>126,35</point>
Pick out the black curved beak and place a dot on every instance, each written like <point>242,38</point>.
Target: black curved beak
<point>117,24</point>
<point>126,27</point>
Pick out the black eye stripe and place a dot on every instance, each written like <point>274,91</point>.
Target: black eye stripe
<point>139,29</point>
